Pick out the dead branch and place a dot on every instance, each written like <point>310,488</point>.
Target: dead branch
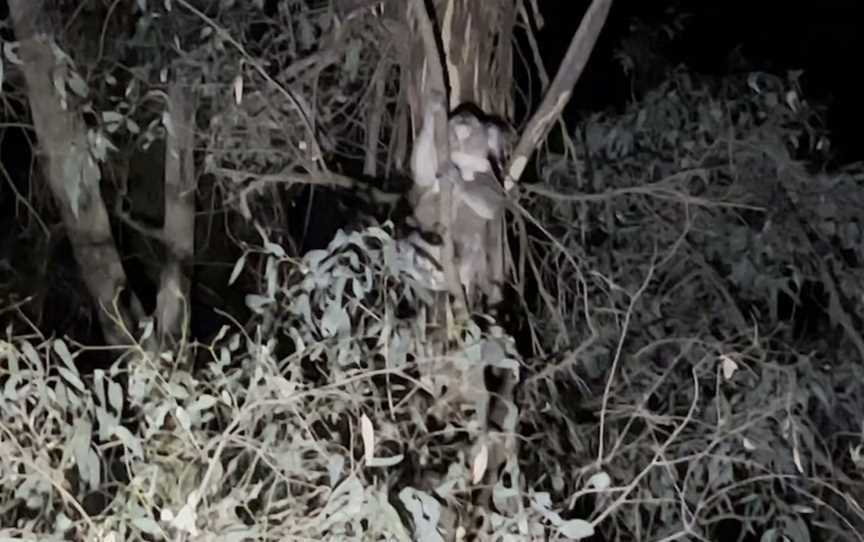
<point>560,90</point>
<point>329,179</point>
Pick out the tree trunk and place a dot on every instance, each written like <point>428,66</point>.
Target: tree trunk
<point>478,43</point>
<point>477,62</point>
<point>477,38</point>
<point>73,175</point>
<point>173,300</point>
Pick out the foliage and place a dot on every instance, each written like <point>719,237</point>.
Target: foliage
<point>677,284</point>
<point>324,442</point>
<point>676,391</point>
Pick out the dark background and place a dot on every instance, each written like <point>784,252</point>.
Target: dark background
<point>824,39</point>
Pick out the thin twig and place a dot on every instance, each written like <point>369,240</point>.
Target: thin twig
<point>625,327</point>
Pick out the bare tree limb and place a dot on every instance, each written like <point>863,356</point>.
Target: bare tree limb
<point>330,179</point>
<point>560,90</point>
<point>535,49</point>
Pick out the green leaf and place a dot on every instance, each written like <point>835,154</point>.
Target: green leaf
<point>576,529</point>
<point>147,525</point>
<point>77,84</point>
<point>31,355</point>
<point>183,418</point>
<point>238,268</point>
<point>111,116</point>
<point>129,441</point>
<point>85,458</point>
<point>204,402</point>
<point>72,378</point>
<point>115,396</point>
<point>62,351</point>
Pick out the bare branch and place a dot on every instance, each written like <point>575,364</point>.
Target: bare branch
<point>330,179</point>
<point>561,89</point>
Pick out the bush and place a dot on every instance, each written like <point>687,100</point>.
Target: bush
<point>672,392</point>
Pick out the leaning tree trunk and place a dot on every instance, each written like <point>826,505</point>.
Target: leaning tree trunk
<point>73,173</point>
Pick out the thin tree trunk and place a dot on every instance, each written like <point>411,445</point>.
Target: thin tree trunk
<point>73,175</point>
<point>172,302</point>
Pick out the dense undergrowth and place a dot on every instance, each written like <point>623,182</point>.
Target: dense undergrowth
<point>690,364</point>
